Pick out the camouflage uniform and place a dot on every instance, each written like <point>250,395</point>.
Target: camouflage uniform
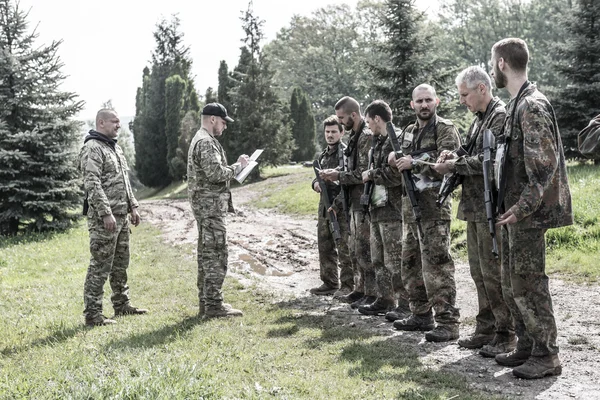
<point>331,253</point>
<point>537,193</point>
<point>427,266</point>
<point>108,191</point>
<point>357,154</point>
<point>386,224</point>
<point>208,192</point>
<point>493,315</point>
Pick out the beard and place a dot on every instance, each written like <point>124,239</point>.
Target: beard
<point>500,79</point>
<point>350,124</point>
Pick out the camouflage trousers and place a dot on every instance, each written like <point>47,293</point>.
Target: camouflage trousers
<point>109,259</point>
<point>386,255</point>
<point>332,254</point>
<point>212,258</point>
<point>486,271</point>
<point>526,290</point>
<point>360,252</point>
<point>428,270</point>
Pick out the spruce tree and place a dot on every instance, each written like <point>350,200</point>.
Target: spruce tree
<point>40,184</point>
<point>579,59</point>
<point>303,126</point>
<point>174,94</point>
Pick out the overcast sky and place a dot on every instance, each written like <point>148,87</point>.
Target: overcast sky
<point>107,44</point>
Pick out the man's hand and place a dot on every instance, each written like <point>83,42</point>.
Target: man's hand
<point>365,176</point>
<point>330,209</point>
<point>317,187</point>
<point>506,218</point>
<point>446,155</point>
<point>330,174</point>
<point>135,217</point>
<point>243,160</point>
<point>443,167</point>
<point>404,163</point>
<point>392,159</point>
<point>110,223</point>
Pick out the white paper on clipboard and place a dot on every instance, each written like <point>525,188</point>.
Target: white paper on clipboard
<point>241,177</point>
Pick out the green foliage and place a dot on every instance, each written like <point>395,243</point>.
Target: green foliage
<point>157,124</point>
<point>303,126</point>
<point>579,55</point>
<point>39,140</point>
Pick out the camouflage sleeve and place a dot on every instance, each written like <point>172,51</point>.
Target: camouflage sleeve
<point>354,177</point>
<point>133,203</point>
<point>540,156</point>
<point>473,165</point>
<point>207,158</point>
<point>386,175</point>
<point>448,138</point>
<point>92,161</point>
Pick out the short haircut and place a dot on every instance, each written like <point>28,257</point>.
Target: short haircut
<point>379,108</point>
<point>514,51</point>
<point>424,86</point>
<point>104,114</point>
<point>332,120</point>
<point>473,76</point>
<point>348,105</point>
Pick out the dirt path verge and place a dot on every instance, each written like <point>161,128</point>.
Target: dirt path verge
<point>279,253</point>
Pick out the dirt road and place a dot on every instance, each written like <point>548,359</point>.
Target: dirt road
<point>279,253</point>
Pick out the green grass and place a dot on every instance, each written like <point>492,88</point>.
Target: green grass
<point>176,190</point>
<point>278,350</point>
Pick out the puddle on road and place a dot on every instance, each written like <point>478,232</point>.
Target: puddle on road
<point>259,268</point>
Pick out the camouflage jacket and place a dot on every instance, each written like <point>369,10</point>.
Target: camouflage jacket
<point>387,180</point>
<point>208,176</point>
<point>105,176</point>
<point>537,188</point>
<point>357,155</point>
<point>330,158</point>
<point>439,134</point>
<point>470,167</point>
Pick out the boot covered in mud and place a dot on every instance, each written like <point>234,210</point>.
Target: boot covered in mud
<point>539,367</point>
<point>224,310</point>
<point>379,307</point>
<point>324,290</point>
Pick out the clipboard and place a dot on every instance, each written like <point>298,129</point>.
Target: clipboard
<point>241,177</point>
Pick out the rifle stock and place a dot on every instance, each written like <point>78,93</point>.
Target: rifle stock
<point>334,225</point>
<point>409,184</point>
<point>488,143</point>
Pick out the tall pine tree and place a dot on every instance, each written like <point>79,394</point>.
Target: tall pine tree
<point>39,140</point>
<point>303,126</point>
<point>578,102</point>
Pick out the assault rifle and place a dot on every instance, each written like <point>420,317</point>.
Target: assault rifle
<point>409,184</point>
<point>344,189</point>
<point>365,198</point>
<point>334,226</point>
<point>451,181</point>
<point>490,207</point>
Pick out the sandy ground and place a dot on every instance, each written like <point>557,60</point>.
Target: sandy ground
<point>279,253</point>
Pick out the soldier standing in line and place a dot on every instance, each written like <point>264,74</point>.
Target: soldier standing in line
<point>534,192</point>
<point>494,328</point>
<point>208,192</point>
<point>347,110</point>
<point>330,252</point>
<point>427,266</point>
<point>108,200</point>
<point>385,208</point>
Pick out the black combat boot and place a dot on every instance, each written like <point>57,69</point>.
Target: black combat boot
<point>416,322</point>
<point>379,307</point>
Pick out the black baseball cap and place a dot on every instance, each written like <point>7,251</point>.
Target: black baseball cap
<point>216,109</point>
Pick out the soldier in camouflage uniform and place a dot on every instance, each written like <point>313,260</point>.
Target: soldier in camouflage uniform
<point>347,110</point>
<point>108,200</point>
<point>494,328</point>
<point>533,177</point>
<point>208,192</point>
<point>330,252</point>
<point>385,208</point>
<point>427,266</point>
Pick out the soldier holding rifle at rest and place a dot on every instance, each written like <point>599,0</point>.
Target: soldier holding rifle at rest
<point>427,266</point>
<point>494,329</point>
<point>332,252</point>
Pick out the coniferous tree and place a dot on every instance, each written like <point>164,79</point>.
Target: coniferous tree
<point>303,126</point>
<point>578,102</point>
<point>260,120</point>
<point>39,140</point>
<point>210,96</point>
<point>174,93</point>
